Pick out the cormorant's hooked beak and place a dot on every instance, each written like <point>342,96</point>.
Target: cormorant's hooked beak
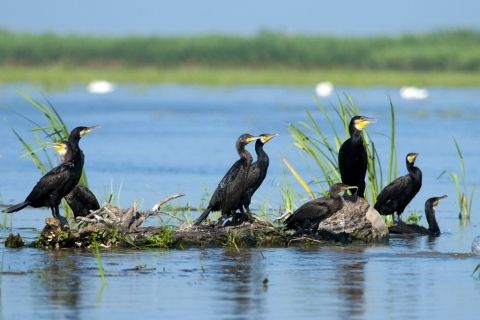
<point>88,130</point>
<point>252,138</point>
<point>267,137</point>
<point>365,121</point>
<point>436,200</point>
<point>412,157</point>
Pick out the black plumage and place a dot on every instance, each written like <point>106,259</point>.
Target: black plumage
<point>257,172</point>
<point>395,197</point>
<point>58,182</point>
<point>309,215</point>
<point>81,200</point>
<point>226,197</point>
<point>414,229</point>
<point>352,156</point>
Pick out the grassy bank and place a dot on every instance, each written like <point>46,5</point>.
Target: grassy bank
<point>62,76</point>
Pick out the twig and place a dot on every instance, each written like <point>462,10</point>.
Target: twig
<point>144,215</point>
<point>165,200</point>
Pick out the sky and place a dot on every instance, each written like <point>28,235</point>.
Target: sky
<point>246,17</point>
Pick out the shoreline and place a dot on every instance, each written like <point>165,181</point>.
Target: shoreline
<point>57,76</point>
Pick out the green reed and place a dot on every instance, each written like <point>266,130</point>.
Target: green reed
<point>44,135</point>
<point>464,196</point>
<point>319,145</point>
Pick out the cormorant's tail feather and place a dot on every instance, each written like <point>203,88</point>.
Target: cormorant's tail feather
<point>17,207</point>
<point>203,216</point>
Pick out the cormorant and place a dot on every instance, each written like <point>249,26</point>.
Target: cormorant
<point>81,200</point>
<point>58,182</point>
<point>433,229</point>
<point>352,156</point>
<point>257,171</point>
<point>398,194</point>
<point>310,214</point>
<point>226,197</point>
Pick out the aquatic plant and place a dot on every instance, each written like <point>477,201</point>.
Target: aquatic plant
<point>95,247</point>
<point>464,196</point>
<point>476,271</point>
<point>414,217</point>
<point>319,145</point>
<point>162,240</point>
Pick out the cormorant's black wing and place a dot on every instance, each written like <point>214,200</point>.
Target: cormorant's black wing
<point>221,189</point>
<point>312,210</point>
<point>390,193</point>
<point>50,183</point>
<point>253,176</point>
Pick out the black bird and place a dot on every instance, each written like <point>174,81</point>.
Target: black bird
<point>398,194</point>
<point>352,156</point>
<point>310,214</point>
<point>433,229</point>
<point>226,197</point>
<point>81,200</point>
<point>58,182</point>
<point>257,171</point>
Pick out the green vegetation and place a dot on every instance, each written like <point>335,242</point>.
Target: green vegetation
<point>101,270</point>
<point>464,196</point>
<point>162,240</point>
<point>57,76</point>
<point>448,50</point>
<point>414,217</point>
<point>440,58</point>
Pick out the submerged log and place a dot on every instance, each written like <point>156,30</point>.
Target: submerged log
<point>356,221</point>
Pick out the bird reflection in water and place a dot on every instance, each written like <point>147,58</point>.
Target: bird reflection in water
<point>241,283</point>
<point>60,279</point>
<point>350,285</point>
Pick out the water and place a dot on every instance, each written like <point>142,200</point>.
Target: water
<point>158,140</point>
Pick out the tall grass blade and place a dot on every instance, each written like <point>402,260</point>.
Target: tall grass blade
<point>302,182</point>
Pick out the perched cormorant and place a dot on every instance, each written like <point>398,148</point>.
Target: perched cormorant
<point>398,194</point>
<point>257,171</point>
<point>58,182</point>
<point>81,200</point>
<point>433,229</point>
<point>310,214</point>
<point>352,156</point>
<point>226,197</point>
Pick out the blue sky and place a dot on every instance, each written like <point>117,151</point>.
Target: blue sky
<point>181,17</point>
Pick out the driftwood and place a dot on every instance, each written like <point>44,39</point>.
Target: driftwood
<point>111,227</point>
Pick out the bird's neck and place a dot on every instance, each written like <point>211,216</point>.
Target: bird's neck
<point>245,156</point>
<point>354,131</point>
<point>76,154</point>
<point>415,172</point>
<point>431,220</point>
<point>262,156</point>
